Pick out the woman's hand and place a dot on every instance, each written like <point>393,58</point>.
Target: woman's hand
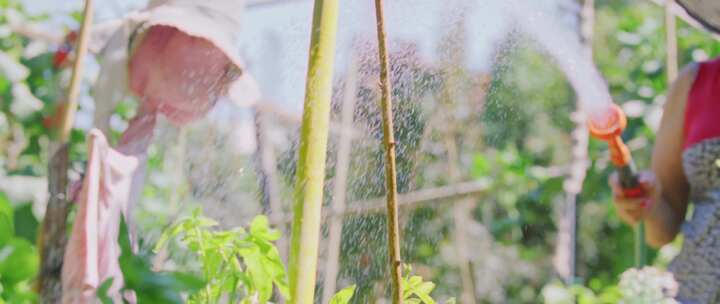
<point>633,210</point>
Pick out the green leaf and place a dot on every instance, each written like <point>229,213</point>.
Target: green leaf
<point>425,288</point>
<point>7,227</point>
<point>260,227</point>
<point>26,225</point>
<point>425,298</point>
<point>205,222</point>
<point>343,296</point>
<point>103,290</point>
<point>415,290</point>
<point>259,276</point>
<point>186,281</point>
<point>276,269</point>
<point>150,286</point>
<point>19,261</point>
<point>166,236</point>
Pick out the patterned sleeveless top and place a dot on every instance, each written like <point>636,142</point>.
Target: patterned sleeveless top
<point>697,267</point>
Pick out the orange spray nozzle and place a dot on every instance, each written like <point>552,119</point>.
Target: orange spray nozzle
<point>609,128</point>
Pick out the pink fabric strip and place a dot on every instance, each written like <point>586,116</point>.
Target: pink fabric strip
<point>112,185</point>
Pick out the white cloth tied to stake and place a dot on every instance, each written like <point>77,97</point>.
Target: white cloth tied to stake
<point>177,57</point>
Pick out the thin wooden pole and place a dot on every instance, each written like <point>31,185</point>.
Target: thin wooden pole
<point>461,220</point>
<point>462,217</point>
<point>340,184</point>
<point>671,59</point>
<point>265,165</point>
<point>390,169</point>
<point>450,127</point>
<point>53,238</point>
<point>310,178</point>
<point>77,72</point>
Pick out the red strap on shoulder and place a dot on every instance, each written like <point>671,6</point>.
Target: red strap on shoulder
<point>702,110</point>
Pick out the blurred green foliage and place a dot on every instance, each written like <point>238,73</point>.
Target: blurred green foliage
<point>148,286</point>
<point>19,260</point>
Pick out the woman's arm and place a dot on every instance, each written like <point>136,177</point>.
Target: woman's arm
<point>666,186</point>
<point>671,190</point>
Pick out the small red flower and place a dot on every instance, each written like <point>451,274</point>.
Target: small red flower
<point>63,52</point>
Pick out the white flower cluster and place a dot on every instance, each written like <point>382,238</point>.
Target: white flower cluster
<point>648,285</point>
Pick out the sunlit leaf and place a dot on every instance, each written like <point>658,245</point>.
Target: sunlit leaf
<point>343,296</point>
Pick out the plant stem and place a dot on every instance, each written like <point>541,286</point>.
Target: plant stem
<point>390,169</point>
<point>53,237</point>
<point>310,176</point>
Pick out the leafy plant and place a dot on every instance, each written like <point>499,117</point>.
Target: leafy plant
<point>243,265</point>
<point>238,265</point>
<point>147,285</point>
<point>417,291</point>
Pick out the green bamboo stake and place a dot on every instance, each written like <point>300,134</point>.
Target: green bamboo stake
<point>310,175</point>
<point>390,169</point>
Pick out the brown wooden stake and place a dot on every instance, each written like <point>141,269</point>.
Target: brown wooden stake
<point>53,237</point>
<point>671,59</point>
<point>340,184</point>
<point>390,169</point>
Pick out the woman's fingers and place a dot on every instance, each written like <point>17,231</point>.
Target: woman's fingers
<point>630,211</point>
<point>633,209</point>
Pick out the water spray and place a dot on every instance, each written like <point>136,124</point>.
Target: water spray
<point>609,128</point>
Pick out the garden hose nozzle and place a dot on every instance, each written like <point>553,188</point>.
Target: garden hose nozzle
<point>609,128</point>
